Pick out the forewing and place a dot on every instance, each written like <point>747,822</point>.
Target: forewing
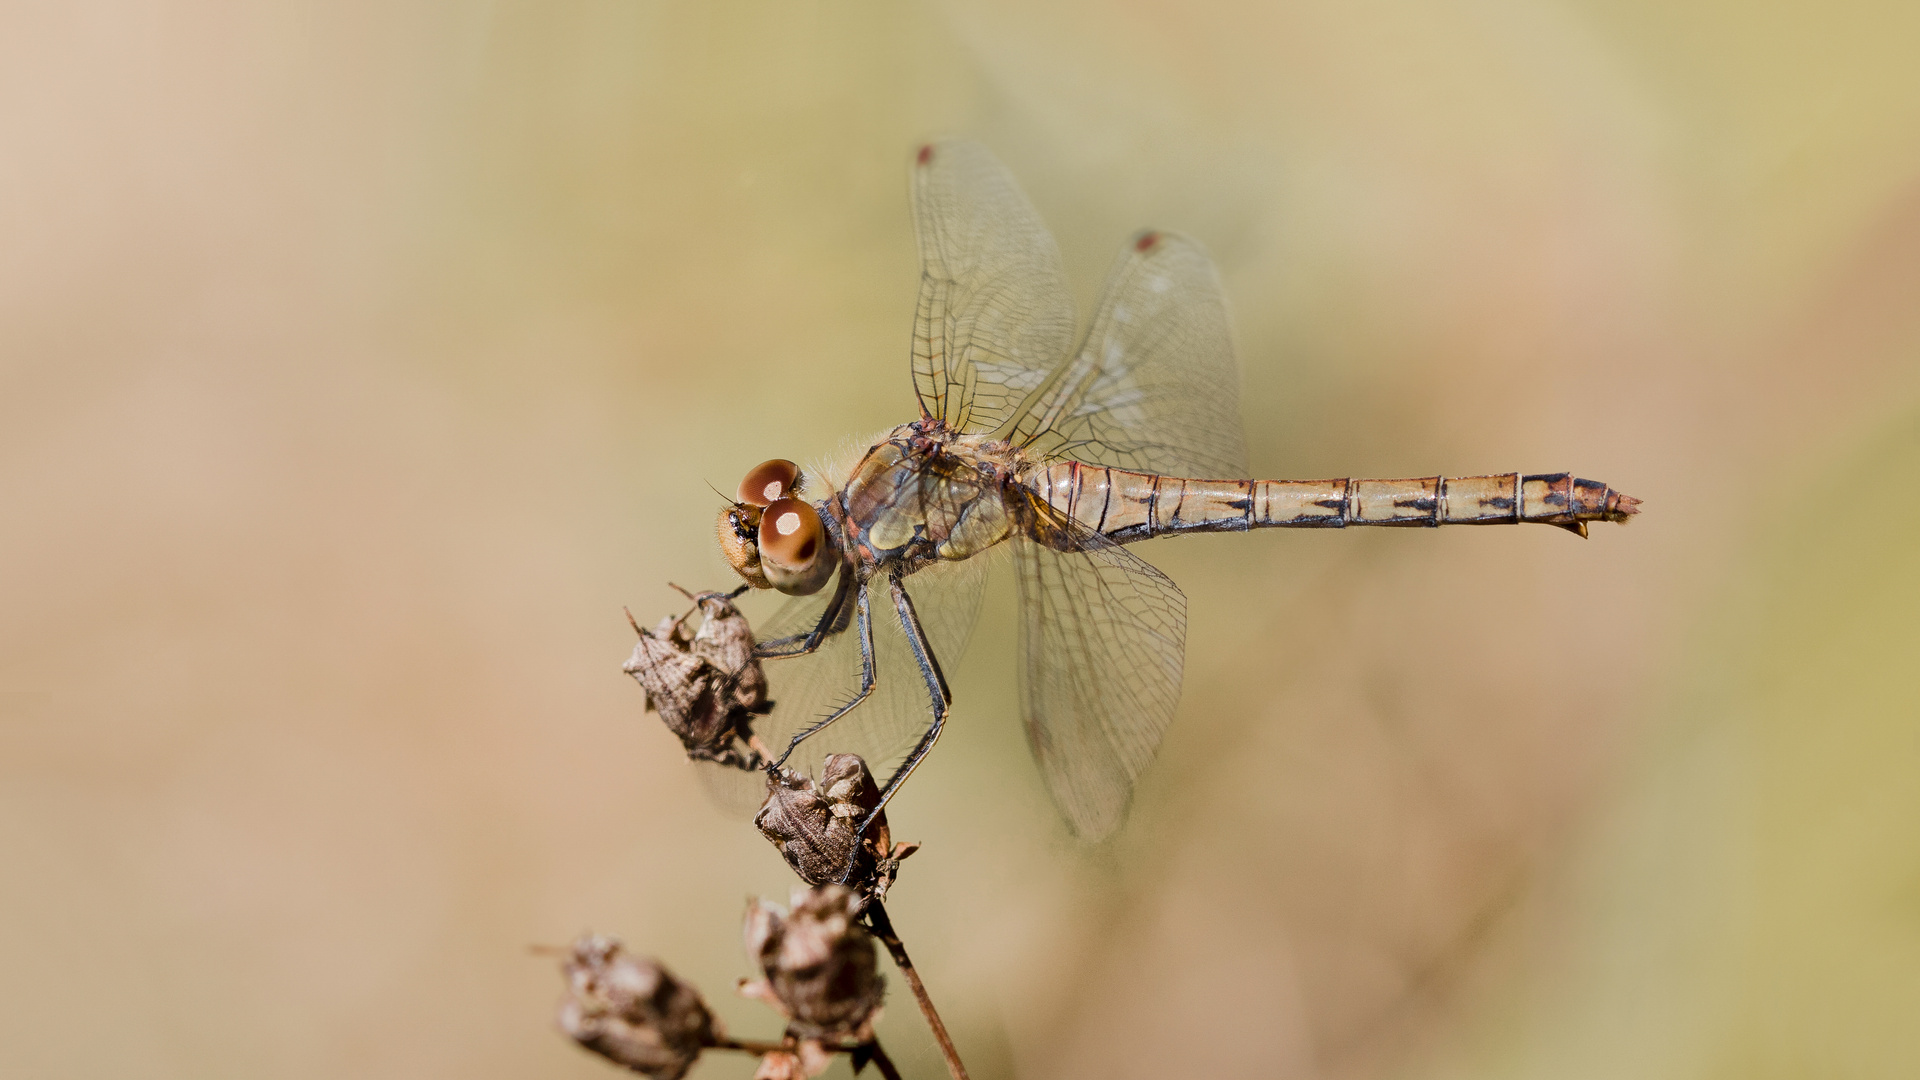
<point>1102,641</point>
<point>995,315</point>
<point>1154,386</point>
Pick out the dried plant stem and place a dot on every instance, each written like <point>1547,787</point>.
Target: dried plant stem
<point>882,1062</point>
<point>883,929</point>
<point>751,1046</point>
<point>761,1047</point>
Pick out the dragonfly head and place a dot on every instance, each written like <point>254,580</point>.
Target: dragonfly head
<point>771,538</point>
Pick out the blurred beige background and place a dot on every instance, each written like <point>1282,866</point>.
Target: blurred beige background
<point>359,361</point>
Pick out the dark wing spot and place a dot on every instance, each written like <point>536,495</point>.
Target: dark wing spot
<point>1146,242</point>
<point>926,154</point>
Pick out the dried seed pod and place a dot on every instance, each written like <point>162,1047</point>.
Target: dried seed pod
<point>813,826</point>
<point>632,1010</point>
<point>725,640</point>
<point>799,819</point>
<point>706,685</point>
<point>818,964</point>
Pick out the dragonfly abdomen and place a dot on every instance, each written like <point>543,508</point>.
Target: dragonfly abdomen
<point>1129,506</point>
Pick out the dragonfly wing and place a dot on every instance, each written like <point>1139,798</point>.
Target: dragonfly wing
<point>1154,386</point>
<point>1102,640</point>
<point>800,614</point>
<point>994,315</point>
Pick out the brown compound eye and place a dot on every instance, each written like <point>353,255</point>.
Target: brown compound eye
<point>769,480</point>
<point>795,552</point>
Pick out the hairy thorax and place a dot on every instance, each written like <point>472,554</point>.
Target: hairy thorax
<point>925,494</point>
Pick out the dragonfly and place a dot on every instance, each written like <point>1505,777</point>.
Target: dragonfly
<point>1065,452</point>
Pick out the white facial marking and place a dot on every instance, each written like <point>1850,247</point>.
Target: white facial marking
<point>788,523</point>
<point>772,491</point>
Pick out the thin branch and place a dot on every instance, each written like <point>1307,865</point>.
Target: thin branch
<point>883,929</point>
<point>882,1062</point>
<point>761,1048</point>
<point>751,1046</point>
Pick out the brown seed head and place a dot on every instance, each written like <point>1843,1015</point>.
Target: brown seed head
<point>725,640</point>
<point>813,826</point>
<point>706,686</point>
<point>632,1010</point>
<point>818,964</point>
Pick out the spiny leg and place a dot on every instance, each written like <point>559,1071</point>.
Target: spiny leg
<point>832,621</point>
<point>937,693</point>
<point>863,618</point>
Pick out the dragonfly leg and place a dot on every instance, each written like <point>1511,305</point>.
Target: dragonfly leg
<point>937,693</point>
<point>864,620</point>
<point>832,621</point>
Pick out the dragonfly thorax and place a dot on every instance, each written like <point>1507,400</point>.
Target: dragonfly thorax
<point>924,495</point>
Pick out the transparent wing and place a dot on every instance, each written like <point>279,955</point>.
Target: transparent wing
<point>1102,642</point>
<point>800,614</point>
<point>1154,386</point>
<point>805,688</point>
<point>885,726</point>
<point>994,314</point>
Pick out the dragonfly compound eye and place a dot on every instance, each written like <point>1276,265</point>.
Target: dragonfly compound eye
<point>739,533</point>
<point>794,553</point>
<point>769,480</point>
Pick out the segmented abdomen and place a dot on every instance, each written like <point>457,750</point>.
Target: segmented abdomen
<point>1129,506</point>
